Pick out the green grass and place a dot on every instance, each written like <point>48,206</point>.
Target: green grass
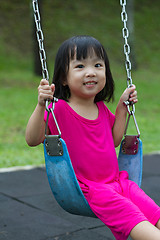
<point>18,103</point>
<point>18,85</point>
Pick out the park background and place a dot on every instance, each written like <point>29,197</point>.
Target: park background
<point>60,20</point>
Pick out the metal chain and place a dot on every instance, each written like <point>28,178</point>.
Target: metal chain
<point>125,34</point>
<point>40,39</point>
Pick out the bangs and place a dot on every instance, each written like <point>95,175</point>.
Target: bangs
<point>84,46</point>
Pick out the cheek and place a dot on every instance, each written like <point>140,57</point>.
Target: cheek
<point>103,78</point>
<point>103,83</point>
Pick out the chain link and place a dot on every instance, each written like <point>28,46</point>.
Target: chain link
<point>40,39</point>
<point>125,34</point>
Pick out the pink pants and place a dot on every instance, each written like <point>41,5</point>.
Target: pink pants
<point>120,205</point>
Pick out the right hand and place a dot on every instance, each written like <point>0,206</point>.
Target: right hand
<point>45,91</point>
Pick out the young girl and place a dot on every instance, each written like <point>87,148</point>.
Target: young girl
<point>82,81</point>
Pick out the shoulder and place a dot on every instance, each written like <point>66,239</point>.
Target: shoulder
<point>102,106</point>
<point>105,110</point>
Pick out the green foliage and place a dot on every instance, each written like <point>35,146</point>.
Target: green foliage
<point>62,19</point>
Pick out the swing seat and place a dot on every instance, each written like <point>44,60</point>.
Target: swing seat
<point>63,181</point>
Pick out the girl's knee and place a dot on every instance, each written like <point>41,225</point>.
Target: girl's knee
<point>158,224</point>
<point>145,231</point>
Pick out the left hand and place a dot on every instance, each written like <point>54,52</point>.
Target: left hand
<point>130,94</point>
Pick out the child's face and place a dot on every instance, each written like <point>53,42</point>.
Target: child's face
<point>86,77</point>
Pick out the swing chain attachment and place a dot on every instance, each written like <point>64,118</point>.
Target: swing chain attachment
<point>125,33</point>
<point>130,143</point>
<point>40,39</point>
<point>51,110</point>
<point>52,142</point>
<point>129,105</point>
<point>131,111</point>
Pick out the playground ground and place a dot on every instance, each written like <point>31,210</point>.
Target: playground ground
<point>28,209</point>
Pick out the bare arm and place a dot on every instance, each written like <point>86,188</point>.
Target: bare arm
<point>121,113</point>
<point>35,131</point>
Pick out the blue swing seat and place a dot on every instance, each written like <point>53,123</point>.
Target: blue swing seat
<point>63,181</point>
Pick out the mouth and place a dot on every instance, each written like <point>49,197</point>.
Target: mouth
<point>90,83</point>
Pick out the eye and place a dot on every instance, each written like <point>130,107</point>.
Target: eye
<point>98,65</point>
<point>80,66</point>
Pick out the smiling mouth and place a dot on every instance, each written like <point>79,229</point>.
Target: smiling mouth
<point>90,83</point>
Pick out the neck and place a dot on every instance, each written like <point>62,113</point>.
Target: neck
<point>81,102</point>
<point>85,108</point>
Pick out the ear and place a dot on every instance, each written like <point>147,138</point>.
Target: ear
<point>64,83</point>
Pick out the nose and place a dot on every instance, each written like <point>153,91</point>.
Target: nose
<point>90,72</point>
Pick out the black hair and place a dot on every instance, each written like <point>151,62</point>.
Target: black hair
<point>80,46</point>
